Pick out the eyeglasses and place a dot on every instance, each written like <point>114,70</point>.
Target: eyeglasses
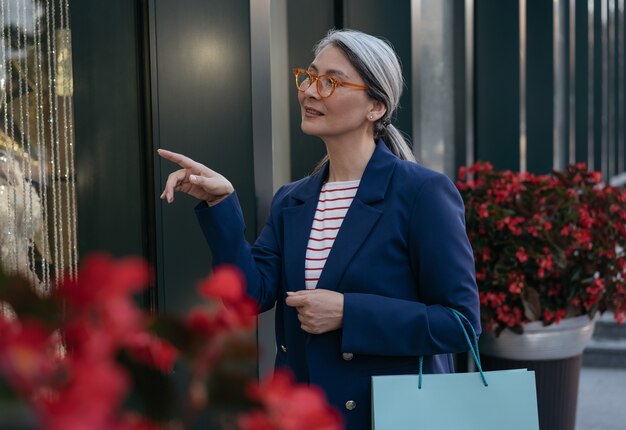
<point>325,84</point>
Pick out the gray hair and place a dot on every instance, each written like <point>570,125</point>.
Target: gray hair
<point>378,65</point>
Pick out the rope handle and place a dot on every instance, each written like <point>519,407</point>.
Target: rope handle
<point>473,346</point>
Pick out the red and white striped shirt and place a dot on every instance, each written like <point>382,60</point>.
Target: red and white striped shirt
<point>334,202</point>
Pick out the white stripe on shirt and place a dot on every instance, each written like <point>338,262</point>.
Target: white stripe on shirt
<point>332,206</point>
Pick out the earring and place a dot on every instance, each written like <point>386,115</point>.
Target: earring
<point>371,117</point>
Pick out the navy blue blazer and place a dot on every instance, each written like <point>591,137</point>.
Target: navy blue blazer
<point>401,256</point>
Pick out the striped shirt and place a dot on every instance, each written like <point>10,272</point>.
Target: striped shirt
<point>334,202</point>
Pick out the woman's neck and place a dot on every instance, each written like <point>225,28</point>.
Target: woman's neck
<point>348,159</point>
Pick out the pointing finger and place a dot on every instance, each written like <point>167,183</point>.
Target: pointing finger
<point>185,162</point>
<point>177,158</point>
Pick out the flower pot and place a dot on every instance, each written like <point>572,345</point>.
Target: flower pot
<point>555,354</point>
<point>538,342</point>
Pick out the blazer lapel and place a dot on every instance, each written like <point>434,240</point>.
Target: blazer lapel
<point>298,219</point>
<point>360,219</point>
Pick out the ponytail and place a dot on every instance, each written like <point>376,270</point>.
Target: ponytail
<point>395,141</point>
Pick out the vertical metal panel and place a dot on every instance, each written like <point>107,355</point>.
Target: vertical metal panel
<point>590,84</point>
<point>156,174</point>
<point>108,127</point>
<point>523,137</point>
<point>604,163</point>
<point>572,82</point>
<point>621,83</point>
<point>582,79</point>
<point>281,91</point>
<point>260,74</point>
<point>203,100</point>
<point>437,90</point>
<point>261,70</point>
<point>558,157</point>
<point>416,11</point>
<point>497,83</point>
<point>260,51</point>
<point>541,86</point>
<point>270,128</point>
<point>611,158</point>
<point>469,82</point>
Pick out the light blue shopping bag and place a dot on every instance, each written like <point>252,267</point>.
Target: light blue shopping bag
<point>503,399</point>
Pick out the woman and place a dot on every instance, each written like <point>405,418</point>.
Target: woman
<point>361,258</point>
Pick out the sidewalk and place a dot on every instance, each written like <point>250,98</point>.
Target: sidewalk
<point>601,399</point>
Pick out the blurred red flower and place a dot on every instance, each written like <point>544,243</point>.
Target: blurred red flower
<point>104,363</point>
<point>288,406</point>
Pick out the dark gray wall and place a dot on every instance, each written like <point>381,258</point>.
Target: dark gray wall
<point>202,97</point>
<point>108,120</point>
<point>184,87</point>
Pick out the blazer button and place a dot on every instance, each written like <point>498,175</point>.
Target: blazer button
<point>347,356</point>
<point>350,405</point>
<point>284,348</point>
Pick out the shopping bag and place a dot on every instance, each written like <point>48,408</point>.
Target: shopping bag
<point>503,399</point>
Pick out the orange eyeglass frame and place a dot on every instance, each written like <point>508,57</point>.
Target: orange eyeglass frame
<point>334,81</point>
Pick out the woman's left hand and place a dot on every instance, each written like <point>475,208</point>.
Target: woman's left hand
<point>319,311</point>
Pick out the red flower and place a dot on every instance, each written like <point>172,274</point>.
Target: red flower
<point>89,400</point>
<point>256,420</point>
<point>462,173</point>
<point>226,283</point>
<point>151,350</point>
<point>481,167</point>
<point>483,212</point>
<point>511,317</point>
<point>521,255</point>
<point>83,383</point>
<point>583,238</point>
<point>26,354</point>
<point>101,278</point>
<point>289,406</point>
<point>594,177</point>
<point>201,321</point>
<point>240,315</point>
<point>516,283</point>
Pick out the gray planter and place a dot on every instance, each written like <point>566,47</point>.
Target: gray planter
<point>557,341</point>
<point>555,354</point>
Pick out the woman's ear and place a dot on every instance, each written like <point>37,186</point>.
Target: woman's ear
<point>377,111</point>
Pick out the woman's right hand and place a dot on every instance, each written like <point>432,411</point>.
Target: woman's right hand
<point>194,179</point>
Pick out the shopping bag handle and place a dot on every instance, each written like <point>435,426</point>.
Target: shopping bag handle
<point>473,346</point>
